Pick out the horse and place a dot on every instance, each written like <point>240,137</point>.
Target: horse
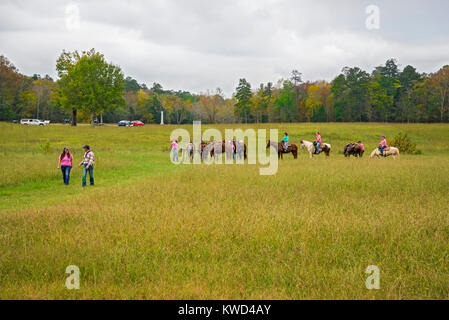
<point>353,149</point>
<point>240,150</point>
<point>292,148</point>
<point>222,147</point>
<point>204,149</point>
<point>390,151</point>
<point>325,147</point>
<point>229,148</point>
<point>216,149</point>
<point>188,151</point>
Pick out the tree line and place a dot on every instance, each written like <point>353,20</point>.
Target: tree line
<point>90,89</point>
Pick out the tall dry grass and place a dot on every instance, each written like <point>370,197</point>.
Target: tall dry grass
<point>220,232</point>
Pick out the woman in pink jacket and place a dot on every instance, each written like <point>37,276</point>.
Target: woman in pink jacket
<point>174,148</point>
<point>65,163</point>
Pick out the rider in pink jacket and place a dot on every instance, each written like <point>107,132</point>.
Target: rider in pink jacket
<point>318,142</point>
<point>383,145</point>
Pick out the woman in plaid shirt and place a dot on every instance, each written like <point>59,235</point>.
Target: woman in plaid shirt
<point>88,165</point>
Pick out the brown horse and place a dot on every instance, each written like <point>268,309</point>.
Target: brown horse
<point>353,149</point>
<point>292,148</point>
<point>204,149</point>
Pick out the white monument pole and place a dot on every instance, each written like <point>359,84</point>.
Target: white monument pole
<point>162,117</point>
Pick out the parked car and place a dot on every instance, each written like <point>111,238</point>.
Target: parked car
<point>124,123</point>
<point>34,122</point>
<point>137,123</point>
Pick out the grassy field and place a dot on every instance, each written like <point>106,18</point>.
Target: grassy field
<point>151,230</point>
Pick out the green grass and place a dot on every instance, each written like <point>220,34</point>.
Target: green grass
<point>153,230</point>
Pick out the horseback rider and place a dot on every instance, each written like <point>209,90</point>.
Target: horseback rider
<point>383,145</point>
<point>285,141</point>
<point>232,144</point>
<point>361,145</point>
<point>318,142</point>
<point>362,148</point>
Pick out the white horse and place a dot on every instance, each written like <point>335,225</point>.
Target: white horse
<point>325,147</point>
<point>391,151</point>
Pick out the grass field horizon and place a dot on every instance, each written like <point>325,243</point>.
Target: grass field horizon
<point>149,229</point>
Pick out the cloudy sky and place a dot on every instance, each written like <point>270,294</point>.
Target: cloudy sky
<point>199,45</point>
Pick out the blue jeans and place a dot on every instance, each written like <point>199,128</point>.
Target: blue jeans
<point>175,155</point>
<point>66,173</point>
<point>91,174</point>
<point>318,147</point>
<point>381,148</point>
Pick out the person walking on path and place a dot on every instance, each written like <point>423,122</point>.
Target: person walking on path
<point>88,165</point>
<point>65,163</point>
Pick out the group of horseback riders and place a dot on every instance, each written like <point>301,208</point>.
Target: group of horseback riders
<point>316,143</point>
<point>233,147</point>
